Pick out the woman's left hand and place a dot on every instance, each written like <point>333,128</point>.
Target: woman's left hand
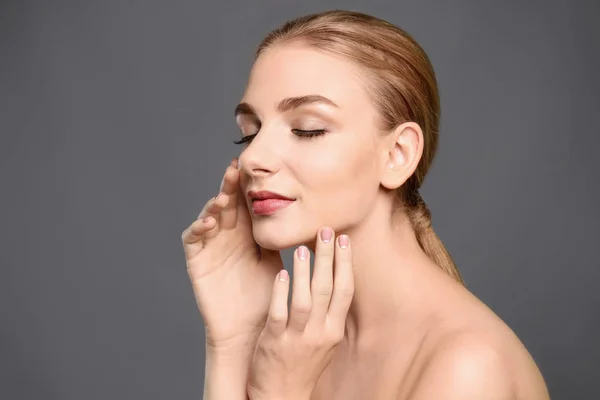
<point>293,350</point>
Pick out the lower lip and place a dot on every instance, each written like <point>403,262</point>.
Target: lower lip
<point>269,206</point>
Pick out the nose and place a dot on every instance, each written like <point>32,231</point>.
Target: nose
<point>260,158</point>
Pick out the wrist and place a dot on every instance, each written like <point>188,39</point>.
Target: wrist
<point>233,347</point>
<point>226,371</point>
<point>254,394</point>
<point>240,357</point>
<point>274,397</point>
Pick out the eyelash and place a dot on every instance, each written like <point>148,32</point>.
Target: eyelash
<point>298,132</point>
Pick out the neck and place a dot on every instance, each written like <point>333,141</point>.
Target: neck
<point>390,271</point>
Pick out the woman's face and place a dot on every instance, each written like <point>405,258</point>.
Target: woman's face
<point>332,176</point>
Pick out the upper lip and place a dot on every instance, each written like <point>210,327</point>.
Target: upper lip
<point>265,194</point>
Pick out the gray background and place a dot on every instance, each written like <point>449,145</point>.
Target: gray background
<point>116,125</point>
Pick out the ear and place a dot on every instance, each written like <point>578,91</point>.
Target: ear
<point>401,154</point>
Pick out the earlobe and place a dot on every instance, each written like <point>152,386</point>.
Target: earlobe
<point>402,155</point>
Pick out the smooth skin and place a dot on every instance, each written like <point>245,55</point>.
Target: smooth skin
<point>410,332</point>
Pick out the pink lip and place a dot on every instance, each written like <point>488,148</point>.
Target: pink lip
<point>267,203</point>
<point>269,206</point>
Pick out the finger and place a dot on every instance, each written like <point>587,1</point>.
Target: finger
<point>195,231</point>
<point>213,206</point>
<point>278,310</point>
<point>322,282</point>
<point>213,209</point>
<point>301,299</point>
<point>243,210</point>
<point>192,235</point>
<point>343,286</point>
<point>205,210</point>
<point>230,187</point>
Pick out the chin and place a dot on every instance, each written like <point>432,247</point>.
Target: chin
<point>278,236</point>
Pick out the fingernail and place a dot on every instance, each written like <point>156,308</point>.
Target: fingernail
<point>220,193</point>
<point>343,240</point>
<point>302,253</point>
<point>207,219</point>
<point>326,234</point>
<point>283,275</point>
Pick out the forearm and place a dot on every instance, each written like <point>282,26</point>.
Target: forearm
<point>226,373</point>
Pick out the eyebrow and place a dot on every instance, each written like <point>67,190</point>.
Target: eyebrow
<point>287,104</point>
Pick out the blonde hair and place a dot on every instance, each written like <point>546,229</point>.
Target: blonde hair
<point>404,88</point>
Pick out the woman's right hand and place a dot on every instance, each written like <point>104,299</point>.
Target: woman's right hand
<point>232,277</point>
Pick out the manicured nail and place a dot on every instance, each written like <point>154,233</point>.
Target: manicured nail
<point>302,253</point>
<point>283,275</point>
<point>326,234</point>
<point>343,241</point>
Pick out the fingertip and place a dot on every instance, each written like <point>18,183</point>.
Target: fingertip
<point>196,226</point>
<point>222,198</point>
<point>326,234</point>
<point>302,253</point>
<point>202,225</point>
<point>217,203</point>
<point>283,276</point>
<point>232,174</point>
<point>343,241</point>
<point>230,180</point>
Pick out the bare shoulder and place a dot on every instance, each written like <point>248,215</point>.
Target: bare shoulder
<point>475,356</point>
<point>464,366</point>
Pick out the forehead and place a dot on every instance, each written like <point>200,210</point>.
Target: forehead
<point>294,70</point>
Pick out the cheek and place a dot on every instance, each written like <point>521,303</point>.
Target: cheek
<point>339,185</point>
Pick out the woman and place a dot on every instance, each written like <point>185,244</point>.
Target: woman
<point>339,126</point>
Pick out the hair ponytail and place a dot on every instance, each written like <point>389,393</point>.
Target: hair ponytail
<point>420,217</point>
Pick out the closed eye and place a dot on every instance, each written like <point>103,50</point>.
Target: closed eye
<point>298,132</point>
<point>306,134</point>
<point>245,139</point>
